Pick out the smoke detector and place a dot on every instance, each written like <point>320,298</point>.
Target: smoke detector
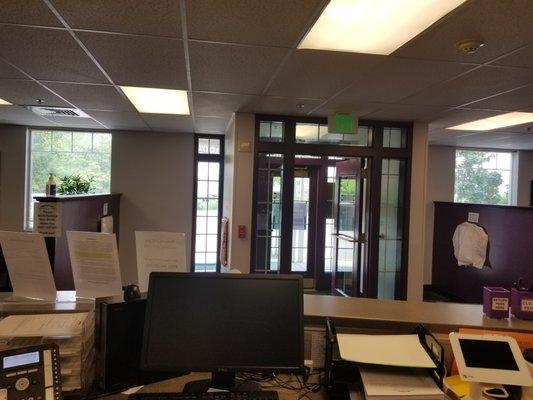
<point>470,46</point>
<point>44,111</point>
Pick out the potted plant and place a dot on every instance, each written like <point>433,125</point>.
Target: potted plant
<point>74,184</point>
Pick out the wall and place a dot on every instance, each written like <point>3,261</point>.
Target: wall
<point>229,170</point>
<point>154,173</point>
<point>240,182</point>
<point>440,187</point>
<point>12,176</point>
<point>525,176</point>
<point>417,213</point>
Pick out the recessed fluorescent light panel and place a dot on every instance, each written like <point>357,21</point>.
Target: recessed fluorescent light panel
<point>498,121</point>
<point>4,103</point>
<point>158,101</point>
<point>373,26</point>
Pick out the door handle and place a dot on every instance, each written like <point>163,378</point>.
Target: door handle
<point>360,239</point>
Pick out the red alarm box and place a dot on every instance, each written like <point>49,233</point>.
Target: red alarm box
<point>242,231</point>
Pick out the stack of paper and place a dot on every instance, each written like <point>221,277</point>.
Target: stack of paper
<point>391,383</point>
<point>73,333</point>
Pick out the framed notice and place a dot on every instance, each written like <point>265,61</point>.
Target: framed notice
<point>47,219</point>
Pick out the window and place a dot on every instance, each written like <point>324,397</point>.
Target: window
<point>208,203</point>
<point>318,133</point>
<point>484,177</point>
<point>64,153</point>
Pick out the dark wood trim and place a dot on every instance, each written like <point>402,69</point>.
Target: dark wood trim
<point>485,205</point>
<point>208,158</point>
<point>373,156</point>
<point>60,199</point>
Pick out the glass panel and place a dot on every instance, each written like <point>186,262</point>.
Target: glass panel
<point>306,133</point>
<point>300,221</point>
<point>268,209</point>
<point>62,141</point>
<point>394,137</point>
<point>315,133</point>
<point>483,177</point>
<point>214,146</point>
<point>203,146</point>
<point>271,131</point>
<point>82,142</point>
<point>391,227</point>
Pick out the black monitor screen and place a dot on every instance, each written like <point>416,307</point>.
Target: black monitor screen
<point>488,354</point>
<point>213,322</point>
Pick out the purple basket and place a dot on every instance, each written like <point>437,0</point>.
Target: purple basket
<point>496,302</point>
<point>522,304</point>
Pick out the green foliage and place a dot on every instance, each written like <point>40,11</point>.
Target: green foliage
<point>71,153</point>
<point>74,184</point>
<point>475,184</point>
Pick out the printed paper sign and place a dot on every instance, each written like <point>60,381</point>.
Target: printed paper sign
<point>28,265</point>
<point>527,305</point>
<point>95,266</point>
<point>159,252</point>
<point>500,303</point>
<point>47,219</point>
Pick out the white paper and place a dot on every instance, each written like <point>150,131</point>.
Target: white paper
<point>62,324</point>
<point>398,382</point>
<point>106,224</point>
<point>159,252</point>
<point>95,266</point>
<point>47,218</point>
<point>28,265</point>
<point>392,350</point>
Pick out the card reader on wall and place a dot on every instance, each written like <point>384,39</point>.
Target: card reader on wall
<point>30,373</point>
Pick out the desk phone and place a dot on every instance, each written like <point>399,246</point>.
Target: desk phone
<point>30,373</point>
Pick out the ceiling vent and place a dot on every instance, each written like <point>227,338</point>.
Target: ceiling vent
<point>58,112</point>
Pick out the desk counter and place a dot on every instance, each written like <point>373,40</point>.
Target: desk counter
<point>403,315</point>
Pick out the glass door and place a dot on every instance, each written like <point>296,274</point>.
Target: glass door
<point>345,236</point>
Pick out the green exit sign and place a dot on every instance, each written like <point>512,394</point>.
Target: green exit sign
<point>342,123</point>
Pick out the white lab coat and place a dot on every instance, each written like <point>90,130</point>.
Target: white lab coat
<point>470,244</point>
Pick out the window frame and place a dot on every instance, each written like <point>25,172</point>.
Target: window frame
<point>207,158</point>
<point>513,179</point>
<point>28,195</point>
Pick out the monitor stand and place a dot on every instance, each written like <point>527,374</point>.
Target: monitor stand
<point>222,381</point>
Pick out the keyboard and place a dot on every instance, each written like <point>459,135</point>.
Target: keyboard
<point>259,395</point>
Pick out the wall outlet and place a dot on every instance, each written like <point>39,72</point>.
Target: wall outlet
<point>105,209</point>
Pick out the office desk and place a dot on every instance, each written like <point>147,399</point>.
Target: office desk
<point>177,384</point>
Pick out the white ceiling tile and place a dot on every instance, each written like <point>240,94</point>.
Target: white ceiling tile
<point>232,69</point>
<point>169,123</point>
<point>357,107</point>
<point>7,71</point>
<point>320,74</point>
<point>23,92</point>
<point>520,58</point>
<point>502,25</point>
<point>403,112</point>
<point>280,105</point>
<point>398,78</point>
<point>47,54</point>
<point>459,116</point>
<point>218,105</point>
<point>211,124</point>
<point>92,97</point>
<point>475,85</point>
<point>28,12</point>
<point>511,101</point>
<point>258,22</point>
<point>139,61</point>
<point>119,120</point>
<point>146,17</point>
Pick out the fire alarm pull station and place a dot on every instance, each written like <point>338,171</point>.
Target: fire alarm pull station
<point>242,231</point>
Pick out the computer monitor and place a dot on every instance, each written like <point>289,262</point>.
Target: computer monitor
<point>488,360</point>
<point>223,323</point>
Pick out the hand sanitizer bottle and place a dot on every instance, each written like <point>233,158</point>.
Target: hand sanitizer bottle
<point>51,186</point>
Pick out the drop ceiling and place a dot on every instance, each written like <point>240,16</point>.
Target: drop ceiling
<point>240,55</point>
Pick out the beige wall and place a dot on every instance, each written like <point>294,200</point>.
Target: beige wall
<point>154,172</point>
<point>239,180</point>
<point>525,176</point>
<point>12,176</point>
<point>440,187</point>
<point>417,213</point>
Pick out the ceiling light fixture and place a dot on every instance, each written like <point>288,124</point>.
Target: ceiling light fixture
<point>4,103</point>
<point>158,101</point>
<point>498,121</point>
<point>373,26</point>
